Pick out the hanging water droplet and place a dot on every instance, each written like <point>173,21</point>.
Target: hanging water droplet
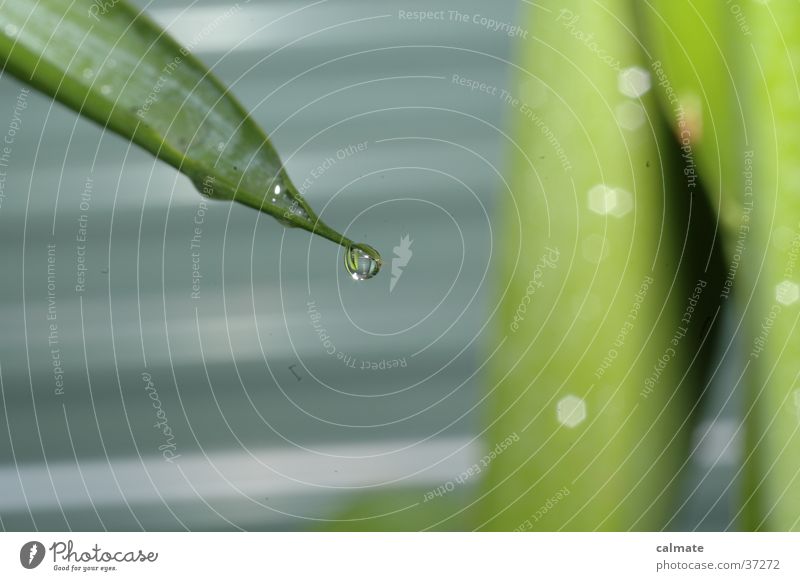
<point>362,262</point>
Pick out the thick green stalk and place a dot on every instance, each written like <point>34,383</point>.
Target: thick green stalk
<point>589,374</point>
<point>738,62</point>
<point>769,82</point>
<point>110,63</point>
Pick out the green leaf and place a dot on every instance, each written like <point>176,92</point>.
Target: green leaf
<point>596,288</point>
<point>739,62</point>
<point>112,64</point>
<point>768,81</point>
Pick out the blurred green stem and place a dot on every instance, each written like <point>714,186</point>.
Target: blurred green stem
<point>579,376</point>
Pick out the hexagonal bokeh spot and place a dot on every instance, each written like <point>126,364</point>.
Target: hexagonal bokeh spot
<point>614,201</point>
<point>633,82</point>
<point>629,115</point>
<point>534,92</point>
<point>797,403</point>
<point>571,410</point>
<point>601,199</point>
<point>623,203</point>
<point>783,237</point>
<point>787,292</point>
<point>594,248</point>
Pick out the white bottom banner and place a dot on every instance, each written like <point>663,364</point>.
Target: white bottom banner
<point>355,556</point>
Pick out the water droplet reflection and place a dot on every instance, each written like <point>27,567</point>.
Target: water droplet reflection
<point>362,262</point>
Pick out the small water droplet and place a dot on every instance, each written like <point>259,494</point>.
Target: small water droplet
<point>277,190</point>
<point>88,73</point>
<point>105,89</point>
<point>362,262</point>
<point>10,30</point>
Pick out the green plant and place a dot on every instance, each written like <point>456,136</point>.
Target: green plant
<point>654,172</point>
<point>770,83</point>
<point>117,67</point>
<point>738,64</point>
<point>726,81</point>
<point>574,374</point>
<point>634,218</point>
